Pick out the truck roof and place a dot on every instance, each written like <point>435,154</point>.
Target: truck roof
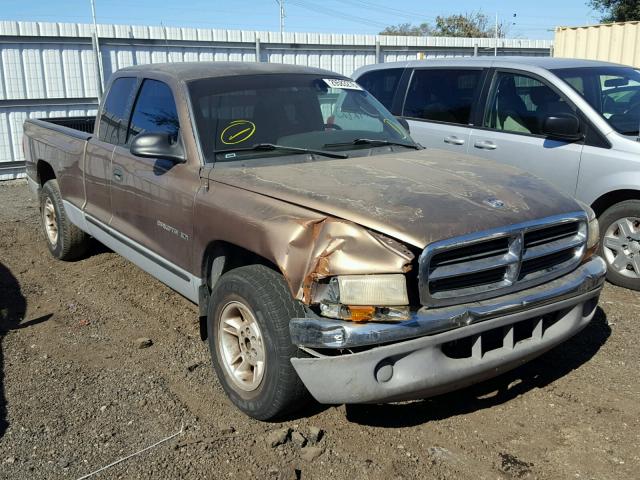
<point>195,70</point>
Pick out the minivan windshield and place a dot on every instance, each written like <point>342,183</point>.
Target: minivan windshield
<point>257,116</point>
<point>614,92</point>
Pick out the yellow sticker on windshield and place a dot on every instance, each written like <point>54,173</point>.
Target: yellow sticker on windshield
<point>237,131</point>
<point>397,128</point>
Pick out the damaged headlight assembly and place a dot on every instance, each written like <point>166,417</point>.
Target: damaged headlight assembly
<point>593,232</point>
<point>362,298</point>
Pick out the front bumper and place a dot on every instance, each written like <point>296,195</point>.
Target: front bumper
<point>455,346</point>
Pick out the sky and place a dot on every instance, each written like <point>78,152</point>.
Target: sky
<point>534,19</point>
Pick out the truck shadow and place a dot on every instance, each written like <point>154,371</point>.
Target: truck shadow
<point>95,248</point>
<point>13,306</point>
<point>538,373</point>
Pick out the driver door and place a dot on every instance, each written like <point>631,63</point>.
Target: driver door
<point>152,199</point>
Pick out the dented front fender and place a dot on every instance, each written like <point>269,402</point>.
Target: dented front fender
<point>304,244</point>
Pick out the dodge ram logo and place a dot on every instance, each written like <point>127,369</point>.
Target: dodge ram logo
<point>494,203</point>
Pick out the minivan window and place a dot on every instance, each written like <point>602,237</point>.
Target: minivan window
<point>154,111</point>
<point>233,115</point>
<point>112,127</point>
<point>442,95</point>
<point>520,104</point>
<point>614,92</point>
<point>382,84</point>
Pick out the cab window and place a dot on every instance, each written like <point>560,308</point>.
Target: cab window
<point>520,104</point>
<point>154,111</point>
<point>112,127</point>
<point>442,95</point>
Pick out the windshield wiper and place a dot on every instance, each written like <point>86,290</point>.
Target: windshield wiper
<point>373,141</point>
<point>268,147</point>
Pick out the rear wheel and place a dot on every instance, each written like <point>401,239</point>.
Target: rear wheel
<point>620,243</point>
<point>64,239</point>
<point>250,344</point>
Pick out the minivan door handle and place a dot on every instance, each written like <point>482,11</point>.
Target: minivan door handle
<point>453,140</point>
<point>485,145</point>
<point>117,175</point>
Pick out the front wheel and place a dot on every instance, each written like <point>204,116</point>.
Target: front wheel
<point>620,243</point>
<point>250,344</point>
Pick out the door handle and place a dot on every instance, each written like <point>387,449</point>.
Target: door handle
<point>117,175</point>
<point>485,145</point>
<point>453,140</point>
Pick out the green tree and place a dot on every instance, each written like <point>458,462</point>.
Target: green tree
<point>617,10</point>
<point>473,24</point>
<point>407,29</point>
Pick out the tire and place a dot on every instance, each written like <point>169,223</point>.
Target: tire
<point>247,300</point>
<point>65,240</point>
<point>624,270</point>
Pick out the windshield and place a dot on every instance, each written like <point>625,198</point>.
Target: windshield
<point>614,92</point>
<point>235,116</point>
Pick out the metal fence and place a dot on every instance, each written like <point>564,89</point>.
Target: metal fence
<point>610,42</point>
<point>51,70</point>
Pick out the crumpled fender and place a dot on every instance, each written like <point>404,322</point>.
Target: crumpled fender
<point>330,246</point>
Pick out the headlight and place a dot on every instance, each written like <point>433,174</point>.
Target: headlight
<point>365,297</point>
<point>593,230</point>
<point>372,289</point>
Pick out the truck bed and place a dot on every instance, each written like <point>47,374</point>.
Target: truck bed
<point>82,124</point>
<point>61,142</point>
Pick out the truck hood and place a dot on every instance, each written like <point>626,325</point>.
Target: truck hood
<point>416,196</point>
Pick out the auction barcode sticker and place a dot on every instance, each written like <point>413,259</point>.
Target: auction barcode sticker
<point>341,83</point>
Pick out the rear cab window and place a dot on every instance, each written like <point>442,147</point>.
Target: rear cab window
<point>112,127</point>
<point>442,95</point>
<point>154,111</point>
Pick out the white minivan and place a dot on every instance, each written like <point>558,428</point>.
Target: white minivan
<point>572,122</point>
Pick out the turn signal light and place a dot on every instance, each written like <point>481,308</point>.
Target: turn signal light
<point>360,313</point>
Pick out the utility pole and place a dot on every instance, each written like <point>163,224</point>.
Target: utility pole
<point>282,14</point>
<point>96,51</point>
<point>495,47</point>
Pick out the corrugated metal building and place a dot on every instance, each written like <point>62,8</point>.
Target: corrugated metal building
<point>50,69</point>
<point>611,42</point>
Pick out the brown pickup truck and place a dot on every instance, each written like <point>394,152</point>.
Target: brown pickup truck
<point>328,252</point>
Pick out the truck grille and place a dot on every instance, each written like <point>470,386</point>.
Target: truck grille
<point>496,262</point>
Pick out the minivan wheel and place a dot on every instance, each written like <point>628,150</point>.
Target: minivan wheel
<point>250,344</point>
<point>64,240</point>
<point>620,243</point>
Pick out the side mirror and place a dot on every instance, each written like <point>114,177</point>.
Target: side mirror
<point>403,121</point>
<point>157,145</point>
<point>564,126</point>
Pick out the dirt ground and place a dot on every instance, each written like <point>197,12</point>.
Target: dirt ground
<point>76,392</point>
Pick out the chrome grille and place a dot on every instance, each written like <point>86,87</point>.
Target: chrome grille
<point>496,262</point>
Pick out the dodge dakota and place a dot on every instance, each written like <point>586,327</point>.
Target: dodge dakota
<point>330,255</point>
